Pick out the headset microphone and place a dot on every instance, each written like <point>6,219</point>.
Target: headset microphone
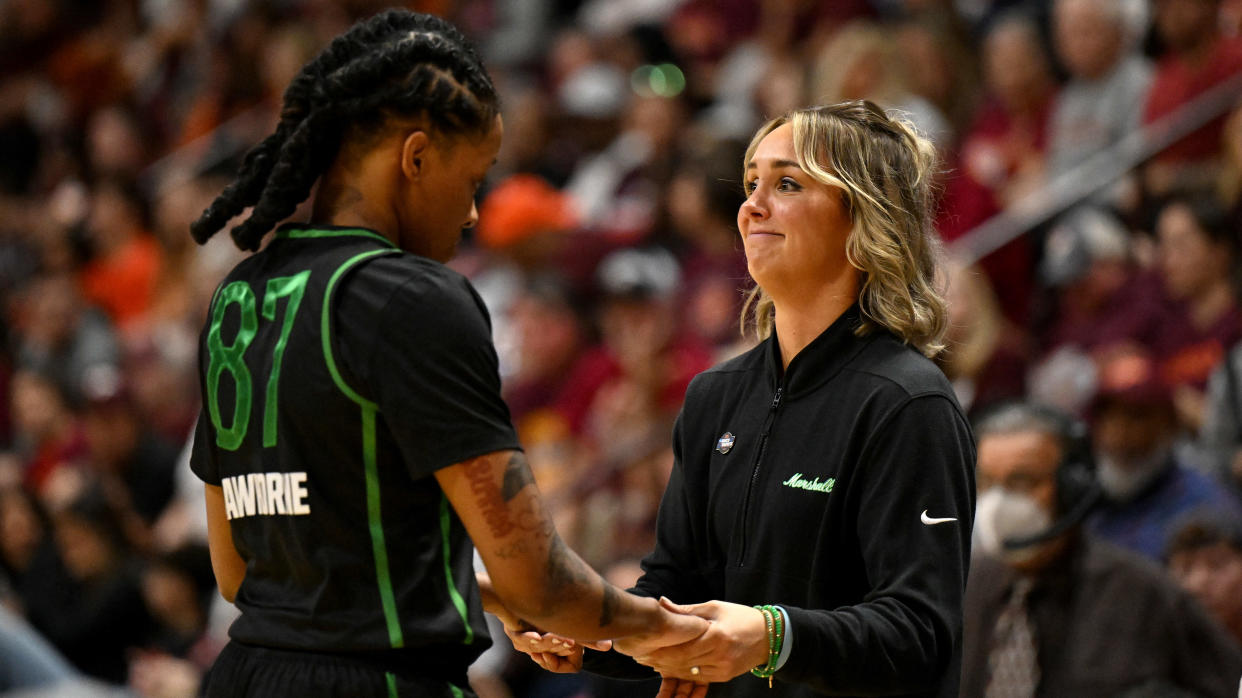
<point>1077,487</point>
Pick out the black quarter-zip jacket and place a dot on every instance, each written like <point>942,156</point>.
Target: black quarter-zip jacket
<point>841,489</point>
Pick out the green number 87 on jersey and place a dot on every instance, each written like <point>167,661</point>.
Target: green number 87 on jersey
<point>230,358</point>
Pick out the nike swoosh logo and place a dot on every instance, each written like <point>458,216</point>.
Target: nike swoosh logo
<point>927,520</point>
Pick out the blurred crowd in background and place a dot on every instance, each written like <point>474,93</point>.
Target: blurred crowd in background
<point>608,255</point>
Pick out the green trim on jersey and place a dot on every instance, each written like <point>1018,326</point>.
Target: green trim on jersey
<point>325,324</point>
<point>376,523</point>
<point>374,518</point>
<point>321,233</point>
<point>392,684</point>
<point>456,691</point>
<point>458,601</point>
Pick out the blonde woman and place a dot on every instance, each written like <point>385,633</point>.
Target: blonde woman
<point>823,492</point>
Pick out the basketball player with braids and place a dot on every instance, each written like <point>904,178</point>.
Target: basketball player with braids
<point>353,441</point>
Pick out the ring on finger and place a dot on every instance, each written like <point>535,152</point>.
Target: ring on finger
<point>694,671</point>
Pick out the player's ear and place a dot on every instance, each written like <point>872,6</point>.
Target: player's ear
<point>414,153</point>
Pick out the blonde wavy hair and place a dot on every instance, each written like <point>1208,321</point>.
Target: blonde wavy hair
<point>884,169</point>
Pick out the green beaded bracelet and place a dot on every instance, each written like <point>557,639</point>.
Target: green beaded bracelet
<point>775,622</point>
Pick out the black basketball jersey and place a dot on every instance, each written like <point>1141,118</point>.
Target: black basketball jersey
<point>338,374</point>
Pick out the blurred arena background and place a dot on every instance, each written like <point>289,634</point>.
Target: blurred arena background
<point>1092,176</point>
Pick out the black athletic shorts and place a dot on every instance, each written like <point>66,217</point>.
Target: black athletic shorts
<point>246,670</point>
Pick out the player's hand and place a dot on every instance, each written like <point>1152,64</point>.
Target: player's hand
<point>560,655</point>
<point>735,642</point>
<point>677,688</point>
<point>674,628</point>
<point>554,653</point>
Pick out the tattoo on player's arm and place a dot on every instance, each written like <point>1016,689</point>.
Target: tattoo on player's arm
<point>525,506</point>
<point>495,510</point>
<point>517,477</point>
<point>517,548</point>
<point>567,576</point>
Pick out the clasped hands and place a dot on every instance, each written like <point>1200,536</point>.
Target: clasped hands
<point>688,652</point>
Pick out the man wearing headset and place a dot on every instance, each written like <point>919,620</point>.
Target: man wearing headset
<point>1050,611</point>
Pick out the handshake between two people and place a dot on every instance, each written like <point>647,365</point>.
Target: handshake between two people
<point>696,645</point>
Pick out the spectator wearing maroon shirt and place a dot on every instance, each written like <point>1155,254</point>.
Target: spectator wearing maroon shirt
<point>704,196</point>
<point>1002,154</point>
<point>621,400</point>
<point>48,434</point>
<point>1103,297</point>
<point>1102,300</point>
<point>1196,58</point>
<point>1005,149</point>
<point>1197,254</point>
<point>640,351</point>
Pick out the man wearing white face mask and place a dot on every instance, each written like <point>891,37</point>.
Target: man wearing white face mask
<point>1050,611</point>
<point>1147,489</point>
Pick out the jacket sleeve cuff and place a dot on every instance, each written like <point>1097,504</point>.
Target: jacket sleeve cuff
<point>804,661</point>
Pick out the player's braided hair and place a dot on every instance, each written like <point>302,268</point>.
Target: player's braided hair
<point>397,62</point>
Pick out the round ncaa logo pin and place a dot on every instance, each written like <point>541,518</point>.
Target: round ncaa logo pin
<point>725,443</point>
